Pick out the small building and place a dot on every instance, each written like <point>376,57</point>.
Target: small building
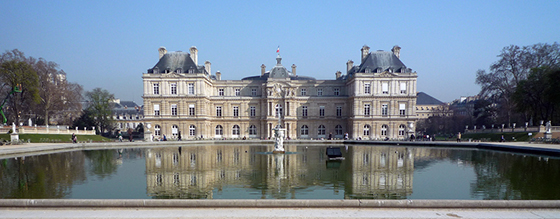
<point>127,114</point>
<point>427,106</point>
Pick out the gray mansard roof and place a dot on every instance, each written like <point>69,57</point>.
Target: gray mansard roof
<point>173,61</point>
<point>425,99</point>
<point>380,61</point>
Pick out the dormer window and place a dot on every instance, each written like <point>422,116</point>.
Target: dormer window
<point>178,71</point>
<point>390,70</point>
<point>191,71</point>
<point>378,70</point>
<point>368,70</point>
<point>155,70</point>
<point>167,70</point>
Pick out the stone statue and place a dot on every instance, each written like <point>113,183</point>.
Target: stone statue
<point>548,130</point>
<point>279,139</point>
<point>13,127</point>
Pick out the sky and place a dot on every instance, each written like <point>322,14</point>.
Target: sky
<point>110,44</point>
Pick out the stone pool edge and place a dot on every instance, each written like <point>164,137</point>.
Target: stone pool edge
<point>258,203</point>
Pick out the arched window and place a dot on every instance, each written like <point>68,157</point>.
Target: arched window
<point>384,130</point>
<point>157,130</point>
<point>192,131</point>
<point>338,130</point>
<point>366,130</point>
<point>235,131</point>
<point>401,130</point>
<point>321,131</point>
<point>304,130</point>
<point>219,131</point>
<point>252,130</point>
<point>175,131</point>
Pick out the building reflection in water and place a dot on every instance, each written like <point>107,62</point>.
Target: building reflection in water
<point>197,172</point>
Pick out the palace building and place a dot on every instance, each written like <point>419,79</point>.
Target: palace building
<point>373,100</point>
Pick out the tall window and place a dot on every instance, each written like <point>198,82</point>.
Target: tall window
<point>367,109</point>
<point>304,130</point>
<point>304,111</point>
<point>157,130</point>
<point>219,111</point>
<point>385,87</point>
<point>252,130</point>
<point>384,130</point>
<point>278,110</point>
<point>156,88</point>
<point>252,111</point>
<point>254,92</point>
<point>175,130</point>
<point>321,111</point>
<point>192,131</point>
<point>235,131</point>
<point>191,88</point>
<point>321,130</point>
<point>338,130</point>
<point>220,92</point>
<point>173,88</point>
<point>173,109</point>
<point>366,130</point>
<point>384,109</point>
<point>401,129</point>
<point>156,110</point>
<point>319,91</point>
<point>191,110</point>
<point>402,109</point>
<point>403,87</point>
<point>367,88</point>
<point>339,111</point>
<point>235,111</point>
<point>337,91</point>
<point>219,130</point>
<point>303,92</point>
<point>237,92</point>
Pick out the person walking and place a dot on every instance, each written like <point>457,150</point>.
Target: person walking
<point>119,134</point>
<point>459,137</point>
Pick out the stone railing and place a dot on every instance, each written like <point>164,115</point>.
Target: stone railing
<point>47,130</point>
<point>511,129</point>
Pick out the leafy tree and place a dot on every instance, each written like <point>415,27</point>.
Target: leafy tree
<point>100,108</point>
<point>538,94</point>
<point>17,72</point>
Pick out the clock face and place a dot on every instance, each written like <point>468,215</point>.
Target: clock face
<point>149,126</point>
<point>278,90</point>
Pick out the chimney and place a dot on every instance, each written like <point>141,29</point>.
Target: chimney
<point>162,51</point>
<point>397,51</point>
<point>294,69</point>
<point>263,69</point>
<point>207,65</point>
<point>218,75</point>
<point>349,65</point>
<point>365,52</point>
<point>338,74</point>
<point>194,55</point>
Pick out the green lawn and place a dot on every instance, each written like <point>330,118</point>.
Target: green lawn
<point>53,138</point>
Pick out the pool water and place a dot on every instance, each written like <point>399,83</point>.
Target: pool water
<point>304,172</point>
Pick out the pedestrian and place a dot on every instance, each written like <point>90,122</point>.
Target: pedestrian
<point>74,138</point>
<point>459,137</point>
<point>330,136</point>
<point>179,136</point>
<point>502,139</point>
<point>119,134</point>
<point>130,134</point>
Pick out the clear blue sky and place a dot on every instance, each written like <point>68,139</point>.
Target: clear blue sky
<point>109,44</point>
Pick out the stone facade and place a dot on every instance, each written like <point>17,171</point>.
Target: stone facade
<point>375,100</point>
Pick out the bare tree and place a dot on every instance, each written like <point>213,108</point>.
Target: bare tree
<point>513,66</point>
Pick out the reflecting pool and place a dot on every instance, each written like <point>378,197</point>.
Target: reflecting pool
<point>304,172</point>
